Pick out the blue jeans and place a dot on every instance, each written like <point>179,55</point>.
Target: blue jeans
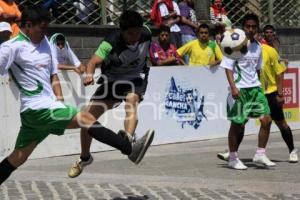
<point>185,39</point>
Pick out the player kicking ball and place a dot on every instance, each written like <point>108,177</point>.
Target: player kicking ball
<point>28,60</point>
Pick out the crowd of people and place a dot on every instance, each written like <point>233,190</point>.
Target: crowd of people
<point>32,61</point>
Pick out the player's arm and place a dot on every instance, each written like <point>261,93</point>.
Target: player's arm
<point>56,87</point>
<point>234,90</point>
<point>100,55</point>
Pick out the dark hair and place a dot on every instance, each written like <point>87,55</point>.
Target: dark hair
<point>268,27</point>
<point>202,26</point>
<point>164,28</point>
<point>35,14</point>
<point>60,37</point>
<point>130,19</point>
<point>250,16</point>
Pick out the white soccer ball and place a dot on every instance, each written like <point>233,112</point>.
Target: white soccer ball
<point>234,43</point>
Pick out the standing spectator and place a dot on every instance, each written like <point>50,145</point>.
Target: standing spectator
<point>9,12</point>
<point>218,17</point>
<point>167,12</point>
<point>66,58</point>
<point>84,9</point>
<point>5,31</point>
<point>162,53</point>
<point>188,24</point>
<point>202,51</point>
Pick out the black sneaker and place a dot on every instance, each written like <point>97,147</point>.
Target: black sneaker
<point>124,135</point>
<point>140,146</point>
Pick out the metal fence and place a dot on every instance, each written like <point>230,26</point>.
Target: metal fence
<point>277,12</point>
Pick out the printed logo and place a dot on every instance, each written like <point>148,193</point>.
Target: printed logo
<point>185,104</point>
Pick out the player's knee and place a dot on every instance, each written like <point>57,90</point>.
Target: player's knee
<point>86,118</point>
<point>266,121</point>
<point>18,158</point>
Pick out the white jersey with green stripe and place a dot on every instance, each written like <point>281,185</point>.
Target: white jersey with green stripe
<point>30,66</point>
<point>245,69</point>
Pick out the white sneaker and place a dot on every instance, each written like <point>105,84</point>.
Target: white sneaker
<point>224,156</point>
<point>237,164</point>
<point>263,159</point>
<point>293,156</point>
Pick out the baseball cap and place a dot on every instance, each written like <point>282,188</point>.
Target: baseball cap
<point>4,26</point>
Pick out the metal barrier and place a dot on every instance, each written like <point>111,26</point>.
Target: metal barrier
<point>279,12</point>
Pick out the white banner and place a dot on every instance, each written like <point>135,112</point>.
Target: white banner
<point>181,104</point>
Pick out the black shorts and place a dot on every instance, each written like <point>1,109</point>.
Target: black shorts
<point>117,90</point>
<point>276,110</point>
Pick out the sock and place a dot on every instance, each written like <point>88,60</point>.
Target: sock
<point>233,155</point>
<point>85,158</point>
<point>6,169</point>
<point>288,138</point>
<point>107,136</point>
<point>260,151</point>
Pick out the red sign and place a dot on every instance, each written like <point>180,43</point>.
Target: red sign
<point>291,88</point>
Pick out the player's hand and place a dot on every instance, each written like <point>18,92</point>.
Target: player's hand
<point>280,100</point>
<point>78,70</point>
<point>235,93</point>
<point>88,80</point>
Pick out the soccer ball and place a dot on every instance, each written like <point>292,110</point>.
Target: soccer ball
<point>234,43</point>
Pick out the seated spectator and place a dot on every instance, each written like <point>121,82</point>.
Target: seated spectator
<point>66,58</point>
<point>162,52</point>
<point>167,12</point>
<point>218,17</point>
<point>83,9</point>
<point>5,31</point>
<point>188,24</point>
<point>9,12</point>
<point>202,51</point>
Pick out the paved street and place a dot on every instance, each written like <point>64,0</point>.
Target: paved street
<point>174,171</point>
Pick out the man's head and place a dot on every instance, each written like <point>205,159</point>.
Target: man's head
<point>269,33</point>
<point>34,23</point>
<point>164,34</point>
<point>9,1</point>
<point>190,3</point>
<point>250,25</point>
<point>131,24</point>
<point>203,33</point>
<point>217,3</point>
<point>5,31</point>
<point>60,41</point>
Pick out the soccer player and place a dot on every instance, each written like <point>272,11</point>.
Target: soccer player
<point>29,61</point>
<point>122,56</point>
<point>248,97</point>
<point>272,80</point>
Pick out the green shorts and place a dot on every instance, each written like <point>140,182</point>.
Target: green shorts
<point>38,124</point>
<point>251,103</point>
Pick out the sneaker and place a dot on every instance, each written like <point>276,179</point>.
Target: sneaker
<point>140,146</point>
<point>293,156</point>
<point>263,159</point>
<point>77,168</point>
<point>224,156</point>
<point>124,135</point>
<point>237,164</point>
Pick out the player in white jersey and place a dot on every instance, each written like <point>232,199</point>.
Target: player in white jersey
<point>247,98</point>
<point>28,60</point>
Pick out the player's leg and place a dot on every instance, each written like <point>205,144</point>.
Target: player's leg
<point>15,160</point>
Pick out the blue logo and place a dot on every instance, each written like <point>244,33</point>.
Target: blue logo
<point>186,104</point>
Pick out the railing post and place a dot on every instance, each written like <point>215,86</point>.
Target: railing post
<point>103,11</point>
<point>124,5</point>
<point>270,11</point>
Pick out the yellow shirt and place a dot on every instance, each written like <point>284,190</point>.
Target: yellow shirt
<point>201,54</point>
<point>271,67</point>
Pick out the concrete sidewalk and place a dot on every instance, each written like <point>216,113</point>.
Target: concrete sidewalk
<point>174,171</point>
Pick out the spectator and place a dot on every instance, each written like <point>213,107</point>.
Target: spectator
<point>202,51</point>
<point>162,53</point>
<point>66,58</point>
<point>167,12</point>
<point>5,31</point>
<point>48,4</point>
<point>189,23</point>
<point>84,9</point>
<point>218,17</point>
<point>9,12</point>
